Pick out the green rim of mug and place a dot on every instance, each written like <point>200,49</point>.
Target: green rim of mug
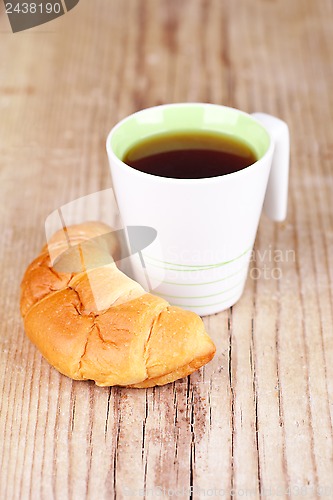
<point>188,117</point>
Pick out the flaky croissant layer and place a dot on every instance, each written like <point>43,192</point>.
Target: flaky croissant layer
<point>92,322</point>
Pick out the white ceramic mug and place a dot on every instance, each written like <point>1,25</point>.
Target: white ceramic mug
<point>206,227</point>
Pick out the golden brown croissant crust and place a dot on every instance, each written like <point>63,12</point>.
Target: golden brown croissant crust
<point>100,325</point>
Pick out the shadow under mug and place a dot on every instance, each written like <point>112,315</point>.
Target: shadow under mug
<point>206,227</point>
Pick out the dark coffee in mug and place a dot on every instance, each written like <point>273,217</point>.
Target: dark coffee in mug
<point>190,155</point>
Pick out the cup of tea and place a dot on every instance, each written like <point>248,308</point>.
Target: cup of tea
<point>199,174</point>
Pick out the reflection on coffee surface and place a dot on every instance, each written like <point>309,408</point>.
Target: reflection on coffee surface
<point>190,155</point>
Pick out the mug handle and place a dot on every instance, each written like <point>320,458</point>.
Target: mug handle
<point>276,198</point>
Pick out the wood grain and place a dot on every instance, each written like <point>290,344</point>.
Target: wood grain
<point>257,421</point>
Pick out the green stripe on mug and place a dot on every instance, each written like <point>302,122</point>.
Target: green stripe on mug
<point>197,306</point>
<point>199,296</point>
<point>192,268</point>
<point>201,282</point>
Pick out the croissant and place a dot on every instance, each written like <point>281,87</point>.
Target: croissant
<point>92,322</point>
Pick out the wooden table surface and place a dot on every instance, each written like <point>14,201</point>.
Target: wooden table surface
<point>257,421</point>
